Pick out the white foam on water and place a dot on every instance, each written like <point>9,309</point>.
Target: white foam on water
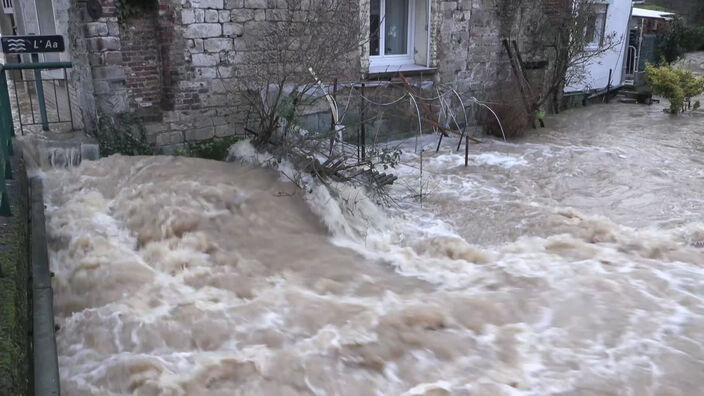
<point>179,276</point>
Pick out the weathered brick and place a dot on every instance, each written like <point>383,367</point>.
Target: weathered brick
<point>217,4</point>
<point>203,30</point>
<point>108,73</point>
<point>277,15</point>
<point>211,16</point>
<point>255,4</point>
<point>223,16</point>
<point>217,44</point>
<point>240,44</point>
<point>202,60</point>
<point>104,44</point>
<point>232,29</point>
<point>205,73</point>
<point>113,58</point>
<point>94,29</point>
<point>225,71</point>
<point>195,46</point>
<point>154,128</point>
<point>113,28</point>
<point>101,87</point>
<point>242,15</point>
<point>173,137</point>
<point>224,130</point>
<point>200,133</point>
<point>199,15</point>
<point>232,4</point>
<point>188,16</point>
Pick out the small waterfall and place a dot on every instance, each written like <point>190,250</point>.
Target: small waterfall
<point>41,155</point>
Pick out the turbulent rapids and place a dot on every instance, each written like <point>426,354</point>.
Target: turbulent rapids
<point>570,263</point>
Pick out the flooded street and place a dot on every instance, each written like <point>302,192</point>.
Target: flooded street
<point>567,263</point>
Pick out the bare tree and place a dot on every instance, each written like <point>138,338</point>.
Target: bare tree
<point>322,36</point>
<point>297,49</point>
<point>571,33</point>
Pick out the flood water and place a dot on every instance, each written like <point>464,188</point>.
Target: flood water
<point>568,263</point>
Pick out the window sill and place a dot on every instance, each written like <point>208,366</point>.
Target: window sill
<point>410,70</point>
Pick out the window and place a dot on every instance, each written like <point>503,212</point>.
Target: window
<point>399,35</point>
<point>596,26</point>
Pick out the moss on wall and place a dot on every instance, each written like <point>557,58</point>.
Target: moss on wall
<point>15,318</point>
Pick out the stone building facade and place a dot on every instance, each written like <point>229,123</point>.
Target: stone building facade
<point>177,64</point>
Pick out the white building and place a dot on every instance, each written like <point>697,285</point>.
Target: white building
<point>612,18</point>
<point>646,29</point>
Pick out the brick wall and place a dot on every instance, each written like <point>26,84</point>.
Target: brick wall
<point>141,59</point>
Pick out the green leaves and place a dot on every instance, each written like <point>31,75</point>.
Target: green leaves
<point>128,8</point>
<point>681,39</point>
<point>122,134</point>
<point>675,84</point>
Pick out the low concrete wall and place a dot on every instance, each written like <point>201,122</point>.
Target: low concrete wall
<point>46,366</point>
<point>15,290</point>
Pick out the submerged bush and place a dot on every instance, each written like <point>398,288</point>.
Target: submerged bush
<point>214,149</point>
<point>675,84</point>
<point>122,134</point>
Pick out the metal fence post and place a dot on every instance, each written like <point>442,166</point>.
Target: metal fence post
<point>5,145</point>
<point>6,123</point>
<point>40,94</point>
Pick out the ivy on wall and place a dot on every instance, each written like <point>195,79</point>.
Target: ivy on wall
<point>129,8</point>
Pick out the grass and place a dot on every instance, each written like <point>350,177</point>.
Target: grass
<point>14,296</point>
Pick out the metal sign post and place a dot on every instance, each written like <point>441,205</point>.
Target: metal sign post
<point>40,94</point>
<point>34,45</point>
<point>22,45</point>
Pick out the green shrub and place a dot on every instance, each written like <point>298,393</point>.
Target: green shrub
<point>679,40</point>
<point>675,84</point>
<point>214,149</point>
<point>129,8</point>
<point>122,134</point>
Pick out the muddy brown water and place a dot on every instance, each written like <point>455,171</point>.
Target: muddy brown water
<point>568,263</point>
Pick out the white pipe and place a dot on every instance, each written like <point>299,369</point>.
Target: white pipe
<point>420,123</point>
<point>492,112</point>
<point>430,26</point>
<point>640,43</point>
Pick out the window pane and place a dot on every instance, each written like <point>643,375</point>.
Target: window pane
<point>374,26</point>
<point>596,25</point>
<point>591,29</point>
<point>396,27</point>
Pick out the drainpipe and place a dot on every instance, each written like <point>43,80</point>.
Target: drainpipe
<point>640,43</point>
<point>430,27</point>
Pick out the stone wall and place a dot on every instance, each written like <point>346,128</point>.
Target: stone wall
<point>186,61</point>
<point>468,49</point>
<point>102,38</point>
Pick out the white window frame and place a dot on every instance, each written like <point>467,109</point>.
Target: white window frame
<point>599,28</point>
<point>382,60</point>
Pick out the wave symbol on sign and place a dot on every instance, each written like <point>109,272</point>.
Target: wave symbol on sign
<point>16,45</point>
